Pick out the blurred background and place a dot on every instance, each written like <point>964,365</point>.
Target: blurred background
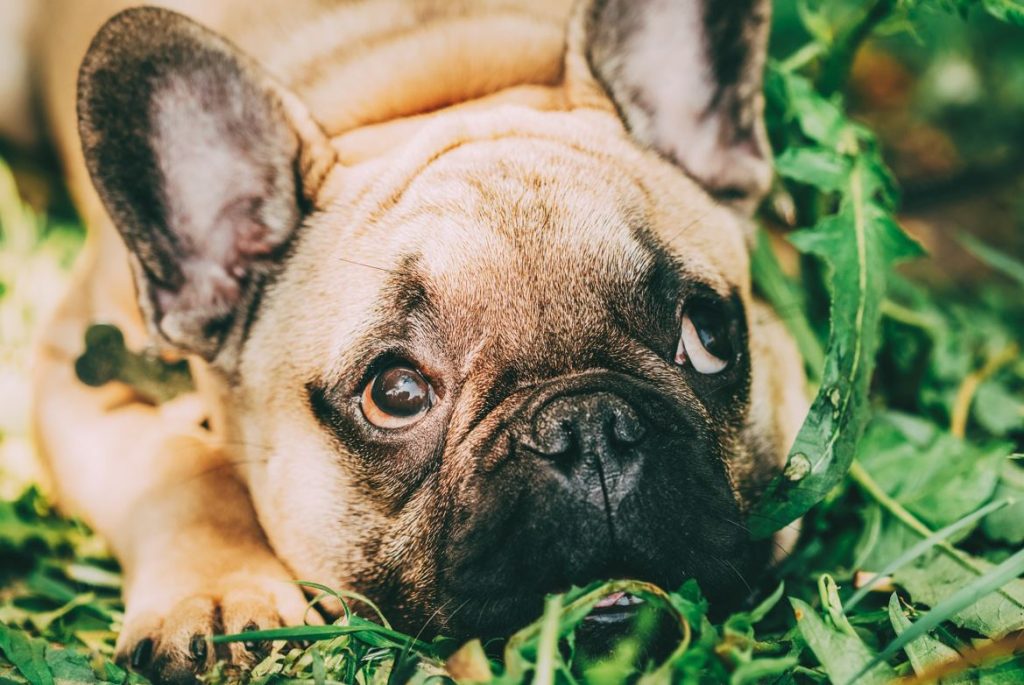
<point>945,94</point>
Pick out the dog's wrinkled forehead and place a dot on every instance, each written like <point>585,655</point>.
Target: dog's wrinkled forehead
<point>530,239</point>
<point>530,236</point>
<point>520,234</point>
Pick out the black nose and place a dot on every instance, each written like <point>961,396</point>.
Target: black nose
<point>572,428</point>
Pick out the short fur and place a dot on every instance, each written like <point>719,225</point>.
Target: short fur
<point>505,193</point>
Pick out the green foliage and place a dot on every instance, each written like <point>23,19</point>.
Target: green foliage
<point>843,655</point>
<point>992,614</point>
<point>40,663</point>
<point>995,622</point>
<point>933,503</point>
<point>859,243</point>
<point>1008,526</point>
<point>1011,11</point>
<point>926,652</point>
<point>924,546</point>
<point>59,587</point>
<point>952,478</point>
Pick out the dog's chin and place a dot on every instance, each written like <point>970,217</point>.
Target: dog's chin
<point>501,618</point>
<point>505,608</point>
<point>614,618</point>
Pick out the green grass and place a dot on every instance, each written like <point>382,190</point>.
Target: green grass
<point>909,471</point>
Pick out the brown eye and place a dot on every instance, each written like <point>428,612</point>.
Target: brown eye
<point>397,396</point>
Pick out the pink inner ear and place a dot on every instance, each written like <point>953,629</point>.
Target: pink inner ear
<point>248,237</point>
<point>227,183</point>
<point>253,239</point>
<point>207,288</point>
<point>195,155</point>
<point>662,72</point>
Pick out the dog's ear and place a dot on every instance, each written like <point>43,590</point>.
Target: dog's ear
<point>686,78</point>
<point>204,164</point>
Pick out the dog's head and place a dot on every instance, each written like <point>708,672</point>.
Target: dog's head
<point>518,352</point>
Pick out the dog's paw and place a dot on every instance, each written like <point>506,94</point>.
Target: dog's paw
<point>166,635</point>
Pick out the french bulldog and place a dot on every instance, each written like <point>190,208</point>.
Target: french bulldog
<point>464,287</point>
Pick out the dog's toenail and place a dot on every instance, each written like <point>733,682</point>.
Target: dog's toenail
<point>197,647</point>
<point>251,645</point>
<point>142,653</point>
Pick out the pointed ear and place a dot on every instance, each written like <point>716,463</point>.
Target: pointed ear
<point>204,164</point>
<point>686,78</point>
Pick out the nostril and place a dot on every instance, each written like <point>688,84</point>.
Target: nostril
<point>553,433</point>
<point>626,427</point>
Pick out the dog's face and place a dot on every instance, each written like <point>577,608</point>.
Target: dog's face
<point>531,370</point>
<point>519,353</point>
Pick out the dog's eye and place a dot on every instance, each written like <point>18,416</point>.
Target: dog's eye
<point>397,396</point>
<point>704,340</point>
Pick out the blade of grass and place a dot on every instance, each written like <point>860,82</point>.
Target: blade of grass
<point>975,657</point>
<point>581,606</point>
<point>344,595</point>
<point>314,633</point>
<point>829,593</point>
<point>761,610</point>
<point>998,261</point>
<point>874,490</point>
<point>924,546</point>
<point>967,390</point>
<point>998,576</point>
<point>926,652</point>
<point>576,610</point>
<point>544,672</point>
<point>785,298</point>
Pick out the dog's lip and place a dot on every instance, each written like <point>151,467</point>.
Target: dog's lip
<point>621,598</point>
<point>618,606</point>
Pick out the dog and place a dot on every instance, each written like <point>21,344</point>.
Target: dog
<point>464,288</point>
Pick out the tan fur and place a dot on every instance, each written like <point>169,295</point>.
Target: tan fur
<point>431,107</point>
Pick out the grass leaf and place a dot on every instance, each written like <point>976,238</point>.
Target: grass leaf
<point>27,654</point>
<point>939,577</point>
<point>1010,11</point>
<point>788,302</point>
<point>922,548</point>
<point>842,655</point>
<point>967,595</point>
<point>925,652</point>
<point>997,260</point>
<point>859,244</point>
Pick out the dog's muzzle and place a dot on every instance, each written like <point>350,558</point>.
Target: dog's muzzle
<point>588,476</point>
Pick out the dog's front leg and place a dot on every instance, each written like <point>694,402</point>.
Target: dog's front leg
<point>151,481</point>
<point>197,563</point>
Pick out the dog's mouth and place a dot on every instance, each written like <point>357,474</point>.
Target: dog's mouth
<point>615,608</point>
<point>625,616</point>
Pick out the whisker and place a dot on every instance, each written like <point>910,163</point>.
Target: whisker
<point>735,570</point>
<point>433,615</point>
<point>685,228</point>
<point>368,266</point>
<point>747,530</point>
<point>247,445</point>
